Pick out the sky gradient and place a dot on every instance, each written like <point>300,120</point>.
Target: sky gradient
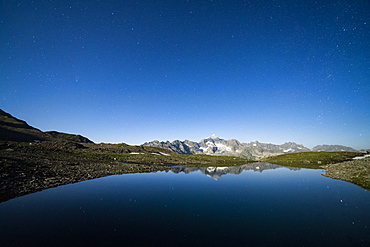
<point>137,71</point>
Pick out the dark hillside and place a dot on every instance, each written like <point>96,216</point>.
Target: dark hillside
<point>14,129</point>
<point>69,137</point>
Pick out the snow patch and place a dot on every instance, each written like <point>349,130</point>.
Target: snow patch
<point>210,144</point>
<point>160,153</point>
<point>361,157</point>
<point>165,154</point>
<point>136,153</point>
<point>214,136</point>
<point>223,147</point>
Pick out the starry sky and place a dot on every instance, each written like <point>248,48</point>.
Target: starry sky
<point>135,71</point>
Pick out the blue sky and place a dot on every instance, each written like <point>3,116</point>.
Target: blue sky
<point>136,71</point>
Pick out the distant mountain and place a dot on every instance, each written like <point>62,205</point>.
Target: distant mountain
<point>14,129</point>
<point>333,148</point>
<point>214,145</point>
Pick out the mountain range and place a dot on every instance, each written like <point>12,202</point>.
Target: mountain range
<point>14,129</point>
<point>214,145</point>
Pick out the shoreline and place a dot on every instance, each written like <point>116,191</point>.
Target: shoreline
<point>356,171</point>
<point>26,183</point>
<point>28,167</point>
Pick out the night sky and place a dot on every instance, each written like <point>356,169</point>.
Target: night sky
<point>136,71</point>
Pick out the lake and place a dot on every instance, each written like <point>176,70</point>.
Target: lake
<point>259,204</point>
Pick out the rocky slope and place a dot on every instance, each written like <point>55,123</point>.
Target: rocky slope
<point>214,145</point>
<point>355,171</point>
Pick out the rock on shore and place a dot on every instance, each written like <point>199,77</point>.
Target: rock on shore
<point>356,171</point>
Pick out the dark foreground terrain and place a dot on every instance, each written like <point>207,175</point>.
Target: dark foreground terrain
<point>29,167</point>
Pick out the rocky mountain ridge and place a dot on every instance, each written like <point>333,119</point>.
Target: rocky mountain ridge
<point>214,145</point>
<point>333,148</point>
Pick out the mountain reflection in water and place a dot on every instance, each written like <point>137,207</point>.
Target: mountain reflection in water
<point>217,172</point>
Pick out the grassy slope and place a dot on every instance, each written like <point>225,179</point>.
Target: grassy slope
<point>312,160</point>
<point>180,159</point>
<point>338,165</point>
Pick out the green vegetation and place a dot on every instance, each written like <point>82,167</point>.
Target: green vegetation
<point>313,160</point>
<point>338,165</point>
<point>362,180</point>
<point>179,159</point>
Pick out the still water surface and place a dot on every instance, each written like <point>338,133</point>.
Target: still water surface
<point>263,205</point>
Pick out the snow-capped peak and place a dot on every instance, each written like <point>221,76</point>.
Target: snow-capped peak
<point>214,136</point>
